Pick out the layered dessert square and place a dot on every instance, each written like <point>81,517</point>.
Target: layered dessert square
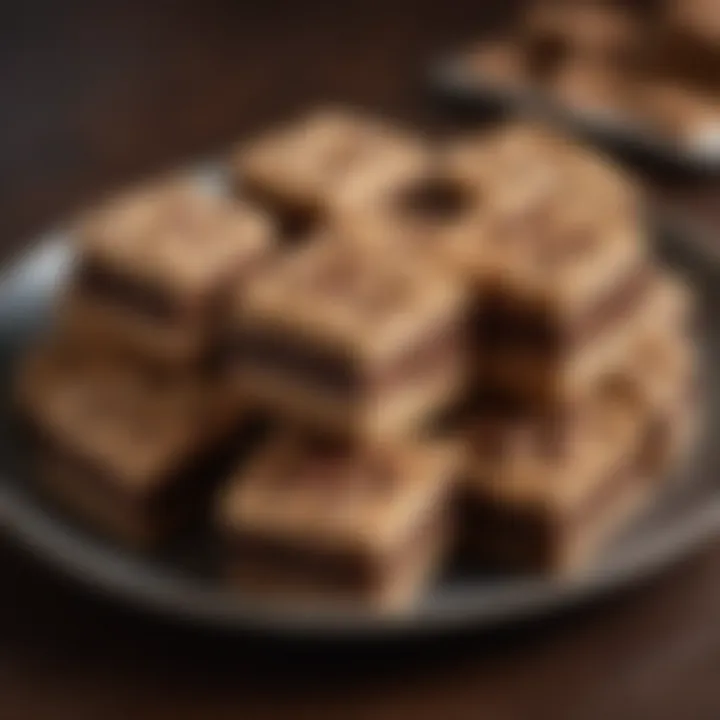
<point>558,263</point>
<point>155,268</point>
<point>349,341</point>
<point>543,357</point>
<point>295,170</point>
<point>545,496</point>
<point>310,518</point>
<point>128,449</point>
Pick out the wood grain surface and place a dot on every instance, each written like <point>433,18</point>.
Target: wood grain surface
<point>95,94</point>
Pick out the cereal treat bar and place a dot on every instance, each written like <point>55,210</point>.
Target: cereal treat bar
<point>156,265</point>
<point>558,263</point>
<point>296,170</point>
<point>308,518</point>
<point>128,449</point>
<point>545,496</point>
<point>350,341</point>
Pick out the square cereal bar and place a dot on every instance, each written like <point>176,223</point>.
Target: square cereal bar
<point>295,170</point>
<point>312,518</point>
<point>349,341</point>
<point>156,265</point>
<point>129,449</point>
<point>553,353</point>
<point>545,497</point>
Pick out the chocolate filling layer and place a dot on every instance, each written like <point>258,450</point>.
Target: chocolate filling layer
<point>535,329</point>
<point>325,368</point>
<point>332,371</point>
<point>124,291</point>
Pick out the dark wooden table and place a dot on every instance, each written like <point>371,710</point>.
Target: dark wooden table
<point>95,94</point>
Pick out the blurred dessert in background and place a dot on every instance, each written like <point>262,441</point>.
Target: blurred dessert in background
<point>690,117</point>
<point>652,67</point>
<point>687,46</point>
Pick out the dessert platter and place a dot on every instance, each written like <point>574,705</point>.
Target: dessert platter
<point>349,381</point>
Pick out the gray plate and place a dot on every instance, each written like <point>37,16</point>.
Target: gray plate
<point>182,583</point>
<point>472,96</point>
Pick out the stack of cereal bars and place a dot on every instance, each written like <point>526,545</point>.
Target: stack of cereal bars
<point>457,344</point>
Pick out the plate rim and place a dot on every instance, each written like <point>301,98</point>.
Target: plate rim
<point>449,79</point>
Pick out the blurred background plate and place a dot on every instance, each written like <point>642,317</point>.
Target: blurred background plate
<point>181,583</point>
<point>469,97</point>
